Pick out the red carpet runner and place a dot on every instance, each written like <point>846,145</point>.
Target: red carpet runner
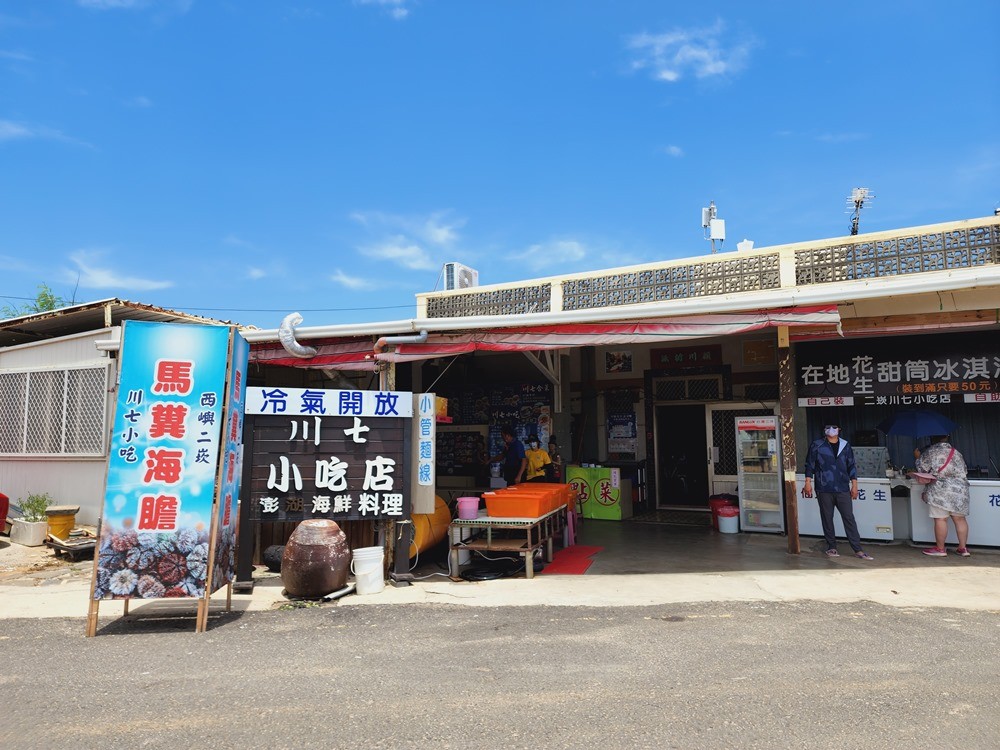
<point>572,561</point>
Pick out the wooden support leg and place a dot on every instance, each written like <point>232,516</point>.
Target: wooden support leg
<point>201,619</point>
<point>125,613</point>
<point>229,597</point>
<point>92,617</point>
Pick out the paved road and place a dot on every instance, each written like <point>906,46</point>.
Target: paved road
<point>708,675</point>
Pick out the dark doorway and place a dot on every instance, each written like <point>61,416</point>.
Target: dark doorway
<point>681,458</point>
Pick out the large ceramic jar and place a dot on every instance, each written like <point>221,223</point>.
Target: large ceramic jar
<point>316,559</point>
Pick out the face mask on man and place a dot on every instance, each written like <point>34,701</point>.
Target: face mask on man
<point>534,445</point>
<point>832,431</point>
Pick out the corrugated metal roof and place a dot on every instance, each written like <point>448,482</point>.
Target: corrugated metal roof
<point>89,316</point>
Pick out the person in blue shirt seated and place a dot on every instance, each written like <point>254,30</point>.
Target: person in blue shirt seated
<point>831,461</point>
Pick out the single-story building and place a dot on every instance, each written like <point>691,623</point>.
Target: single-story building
<point>648,368</point>
<point>57,387</point>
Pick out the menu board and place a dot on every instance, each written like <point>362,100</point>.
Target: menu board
<point>461,450</point>
<point>527,407</point>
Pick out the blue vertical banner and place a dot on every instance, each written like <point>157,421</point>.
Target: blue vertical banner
<point>427,411</point>
<point>224,561</point>
<point>163,463</point>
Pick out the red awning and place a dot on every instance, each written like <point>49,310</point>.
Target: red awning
<point>651,331</point>
<point>332,354</point>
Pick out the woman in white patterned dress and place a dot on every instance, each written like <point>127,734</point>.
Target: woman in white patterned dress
<point>947,496</point>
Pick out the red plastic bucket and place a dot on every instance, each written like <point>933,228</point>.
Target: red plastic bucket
<point>715,504</point>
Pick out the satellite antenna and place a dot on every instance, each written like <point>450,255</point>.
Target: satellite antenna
<point>715,228</point>
<point>854,205</point>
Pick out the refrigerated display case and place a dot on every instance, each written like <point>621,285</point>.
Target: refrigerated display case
<point>759,474</point>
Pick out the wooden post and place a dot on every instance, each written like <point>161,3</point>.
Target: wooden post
<point>786,389</point>
<point>201,619</point>
<point>246,533</point>
<point>229,597</point>
<point>95,604</point>
<point>92,615</point>
<point>125,612</point>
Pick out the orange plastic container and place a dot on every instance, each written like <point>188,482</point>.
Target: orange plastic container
<point>516,505</point>
<point>561,494</point>
<point>554,494</point>
<point>565,491</point>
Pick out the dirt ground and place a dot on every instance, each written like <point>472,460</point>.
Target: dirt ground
<point>33,566</point>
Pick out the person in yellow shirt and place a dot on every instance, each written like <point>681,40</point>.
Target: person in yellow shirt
<point>538,460</point>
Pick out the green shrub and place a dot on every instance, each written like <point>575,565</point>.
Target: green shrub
<point>34,507</point>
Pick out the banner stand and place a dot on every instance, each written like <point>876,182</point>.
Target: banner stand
<point>169,524</point>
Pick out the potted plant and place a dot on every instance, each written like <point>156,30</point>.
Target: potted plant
<point>32,527</point>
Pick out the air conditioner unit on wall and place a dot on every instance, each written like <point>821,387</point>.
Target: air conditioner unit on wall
<point>457,276</point>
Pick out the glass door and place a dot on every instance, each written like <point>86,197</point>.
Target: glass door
<point>758,447</point>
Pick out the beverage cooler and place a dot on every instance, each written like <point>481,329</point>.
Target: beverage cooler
<point>758,453</point>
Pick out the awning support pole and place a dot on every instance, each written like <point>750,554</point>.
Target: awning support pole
<point>549,362</point>
<point>786,389</point>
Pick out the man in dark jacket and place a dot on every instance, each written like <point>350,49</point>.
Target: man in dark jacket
<point>831,461</point>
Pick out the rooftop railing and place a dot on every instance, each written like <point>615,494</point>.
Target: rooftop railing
<point>904,252</point>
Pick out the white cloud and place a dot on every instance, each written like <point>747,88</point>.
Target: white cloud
<point>18,56</point>
<point>433,229</point>
<point>13,131</point>
<point>409,241</point>
<point>674,54</point>
<point>983,168</point>
<point>111,4</point>
<point>232,239</point>
<point>351,282</point>
<point>141,102</point>
<point>395,9</point>
<point>91,276</point>
<point>400,251</point>
<point>164,6</point>
<point>841,137</point>
<point>675,151</point>
<point>552,253</point>
<point>256,273</point>
<point>10,263</point>
<point>10,131</point>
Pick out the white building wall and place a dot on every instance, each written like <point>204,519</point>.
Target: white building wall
<point>69,480</point>
<point>69,351</point>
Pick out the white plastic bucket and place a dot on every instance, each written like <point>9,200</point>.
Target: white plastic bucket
<point>366,564</point>
<point>468,508</point>
<point>460,534</point>
<point>729,521</point>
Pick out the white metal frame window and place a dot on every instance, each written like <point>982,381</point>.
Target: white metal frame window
<point>54,412</point>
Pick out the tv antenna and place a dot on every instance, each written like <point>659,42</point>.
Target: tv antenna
<point>855,203</point>
<point>715,228</point>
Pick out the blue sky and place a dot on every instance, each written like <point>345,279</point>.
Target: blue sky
<point>246,159</point>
